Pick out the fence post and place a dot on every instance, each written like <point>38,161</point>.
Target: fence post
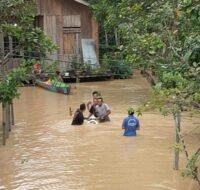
<point>7,120</point>
<point>4,123</point>
<point>9,116</point>
<point>177,118</point>
<point>12,114</point>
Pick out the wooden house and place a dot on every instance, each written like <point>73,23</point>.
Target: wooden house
<point>68,23</point>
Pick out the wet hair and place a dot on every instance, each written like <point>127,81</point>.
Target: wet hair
<point>57,72</point>
<point>96,92</point>
<point>82,107</point>
<point>100,98</point>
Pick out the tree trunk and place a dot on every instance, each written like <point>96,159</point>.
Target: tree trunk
<point>116,37</point>
<point>106,36</point>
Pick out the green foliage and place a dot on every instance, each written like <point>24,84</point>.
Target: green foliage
<point>161,36</point>
<point>119,68</point>
<point>58,83</point>
<point>196,97</point>
<point>12,10</point>
<point>31,40</point>
<point>16,20</point>
<point>191,169</point>
<point>19,24</point>
<point>171,80</point>
<point>51,67</point>
<point>10,84</point>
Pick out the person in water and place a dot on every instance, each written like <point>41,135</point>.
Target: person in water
<point>78,118</point>
<point>92,110</point>
<point>90,103</point>
<point>130,124</point>
<point>36,68</point>
<point>102,111</point>
<point>58,76</point>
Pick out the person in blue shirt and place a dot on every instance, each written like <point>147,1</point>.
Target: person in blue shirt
<point>130,124</point>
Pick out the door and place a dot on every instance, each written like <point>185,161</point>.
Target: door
<point>71,43</point>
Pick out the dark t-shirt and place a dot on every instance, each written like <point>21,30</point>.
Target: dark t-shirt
<point>78,118</point>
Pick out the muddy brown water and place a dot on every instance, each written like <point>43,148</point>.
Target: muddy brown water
<point>45,152</point>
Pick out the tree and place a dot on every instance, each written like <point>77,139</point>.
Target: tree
<point>16,21</point>
<point>163,36</point>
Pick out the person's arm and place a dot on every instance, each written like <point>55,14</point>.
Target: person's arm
<point>90,114</point>
<point>108,111</point>
<point>88,105</point>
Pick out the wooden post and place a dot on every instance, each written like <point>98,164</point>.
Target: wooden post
<point>7,117</point>
<point>12,114</point>
<point>177,119</point>
<point>70,111</point>
<point>4,123</point>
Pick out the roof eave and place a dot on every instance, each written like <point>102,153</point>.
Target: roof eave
<point>82,2</point>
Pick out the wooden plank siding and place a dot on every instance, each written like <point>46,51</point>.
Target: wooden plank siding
<point>66,22</point>
<point>95,34</point>
<point>72,21</point>
<point>51,30</point>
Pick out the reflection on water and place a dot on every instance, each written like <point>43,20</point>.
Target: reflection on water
<point>45,152</point>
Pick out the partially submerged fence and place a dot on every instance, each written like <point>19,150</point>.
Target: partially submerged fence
<point>7,120</point>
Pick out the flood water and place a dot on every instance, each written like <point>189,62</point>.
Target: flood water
<point>45,152</point>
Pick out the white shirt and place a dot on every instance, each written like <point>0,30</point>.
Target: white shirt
<point>102,110</point>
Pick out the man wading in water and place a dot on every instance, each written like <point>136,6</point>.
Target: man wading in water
<point>102,111</point>
<point>130,124</point>
<point>78,118</point>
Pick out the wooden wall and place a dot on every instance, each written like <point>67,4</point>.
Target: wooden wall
<point>61,14</point>
<point>10,64</point>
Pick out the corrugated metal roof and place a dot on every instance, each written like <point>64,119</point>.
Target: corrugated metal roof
<point>82,2</point>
